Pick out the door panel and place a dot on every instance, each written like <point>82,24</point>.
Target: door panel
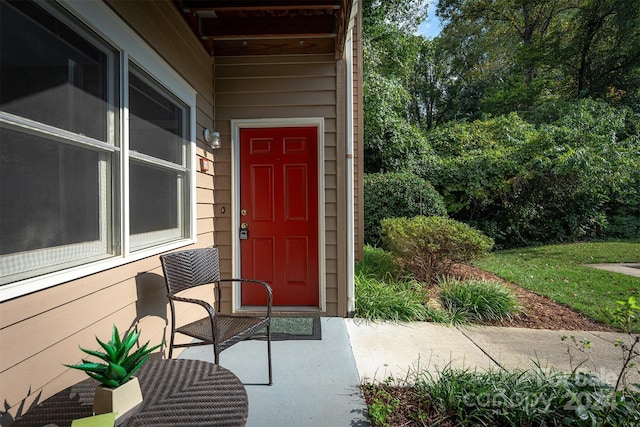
<point>279,207</point>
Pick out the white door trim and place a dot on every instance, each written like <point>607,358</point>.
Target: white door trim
<point>236,126</point>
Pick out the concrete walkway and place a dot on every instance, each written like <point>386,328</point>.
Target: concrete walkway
<point>631,269</point>
<point>316,383</point>
<point>383,350</point>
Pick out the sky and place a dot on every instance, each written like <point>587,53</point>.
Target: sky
<point>431,26</point>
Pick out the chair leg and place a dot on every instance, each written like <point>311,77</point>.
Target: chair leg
<point>269,353</point>
<point>171,346</point>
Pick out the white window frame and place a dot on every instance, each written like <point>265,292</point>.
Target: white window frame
<point>105,22</point>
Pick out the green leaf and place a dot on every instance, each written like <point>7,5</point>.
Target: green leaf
<point>582,412</point>
<point>138,365</point>
<point>116,372</point>
<point>89,367</point>
<point>115,336</point>
<point>120,365</point>
<point>109,348</point>
<point>108,382</point>
<point>97,354</point>
<point>127,344</point>
<point>131,360</point>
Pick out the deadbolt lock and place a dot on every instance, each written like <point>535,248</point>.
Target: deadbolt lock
<point>243,212</point>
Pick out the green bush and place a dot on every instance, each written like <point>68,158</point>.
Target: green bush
<point>571,179</point>
<point>526,398</point>
<point>378,264</point>
<point>392,195</point>
<point>478,300</point>
<point>429,246</point>
<point>395,301</point>
<point>381,293</point>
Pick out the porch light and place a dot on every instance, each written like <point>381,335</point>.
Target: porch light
<point>212,138</point>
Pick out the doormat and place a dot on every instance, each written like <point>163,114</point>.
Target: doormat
<point>293,328</point>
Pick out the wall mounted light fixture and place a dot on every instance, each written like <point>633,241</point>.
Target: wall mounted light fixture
<point>212,138</point>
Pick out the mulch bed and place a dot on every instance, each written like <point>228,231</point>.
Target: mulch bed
<point>540,312</point>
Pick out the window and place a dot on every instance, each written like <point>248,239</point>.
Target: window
<point>157,129</point>
<point>78,188</point>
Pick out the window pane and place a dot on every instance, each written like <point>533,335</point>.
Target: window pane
<point>155,199</point>
<point>50,74</point>
<point>157,122</point>
<point>47,203</point>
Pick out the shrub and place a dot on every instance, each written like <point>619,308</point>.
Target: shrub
<point>393,195</point>
<point>378,264</point>
<point>526,398</point>
<point>479,300</point>
<point>571,179</point>
<point>395,301</point>
<point>429,246</point>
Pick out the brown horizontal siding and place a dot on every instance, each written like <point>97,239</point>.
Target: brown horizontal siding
<point>358,127</point>
<point>282,85</point>
<point>42,330</point>
<point>274,71</point>
<point>172,38</point>
<point>229,113</point>
<point>292,98</point>
<point>293,86</point>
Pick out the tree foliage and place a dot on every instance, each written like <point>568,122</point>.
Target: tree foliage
<point>522,114</point>
<point>574,178</point>
<point>429,246</point>
<point>392,195</point>
<point>518,53</point>
<point>391,139</point>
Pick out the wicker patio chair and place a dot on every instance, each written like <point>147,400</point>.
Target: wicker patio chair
<point>191,268</point>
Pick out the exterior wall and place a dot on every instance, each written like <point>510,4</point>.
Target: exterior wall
<point>283,87</point>
<point>41,331</point>
<point>358,131</point>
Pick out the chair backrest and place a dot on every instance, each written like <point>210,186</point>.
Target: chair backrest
<point>190,268</point>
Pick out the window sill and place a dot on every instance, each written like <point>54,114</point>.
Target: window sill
<point>34,284</point>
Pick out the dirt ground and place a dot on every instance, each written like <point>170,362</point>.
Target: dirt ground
<point>539,312</point>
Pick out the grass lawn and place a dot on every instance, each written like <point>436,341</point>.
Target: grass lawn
<point>558,272</point>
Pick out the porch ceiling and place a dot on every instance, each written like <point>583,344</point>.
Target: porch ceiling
<point>261,27</point>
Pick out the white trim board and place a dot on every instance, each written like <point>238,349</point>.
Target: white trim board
<point>236,126</point>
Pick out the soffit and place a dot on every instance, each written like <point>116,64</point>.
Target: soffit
<point>256,27</point>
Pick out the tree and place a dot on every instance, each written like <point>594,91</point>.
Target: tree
<point>429,85</point>
<point>404,15</point>
<point>391,139</point>
<point>601,57</point>
<point>512,55</point>
<point>503,43</point>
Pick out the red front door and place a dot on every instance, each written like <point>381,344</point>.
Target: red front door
<point>279,211</point>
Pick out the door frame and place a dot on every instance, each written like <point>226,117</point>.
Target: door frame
<point>236,126</point>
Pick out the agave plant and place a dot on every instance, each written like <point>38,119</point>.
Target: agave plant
<point>120,365</point>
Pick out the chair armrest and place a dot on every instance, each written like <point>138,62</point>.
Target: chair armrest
<point>210,310</point>
<point>259,282</point>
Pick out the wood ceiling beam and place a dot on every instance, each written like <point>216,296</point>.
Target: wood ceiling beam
<point>239,27</point>
<point>230,5</point>
<point>343,24</point>
<point>227,47</point>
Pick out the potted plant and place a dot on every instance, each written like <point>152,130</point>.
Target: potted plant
<point>119,390</point>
